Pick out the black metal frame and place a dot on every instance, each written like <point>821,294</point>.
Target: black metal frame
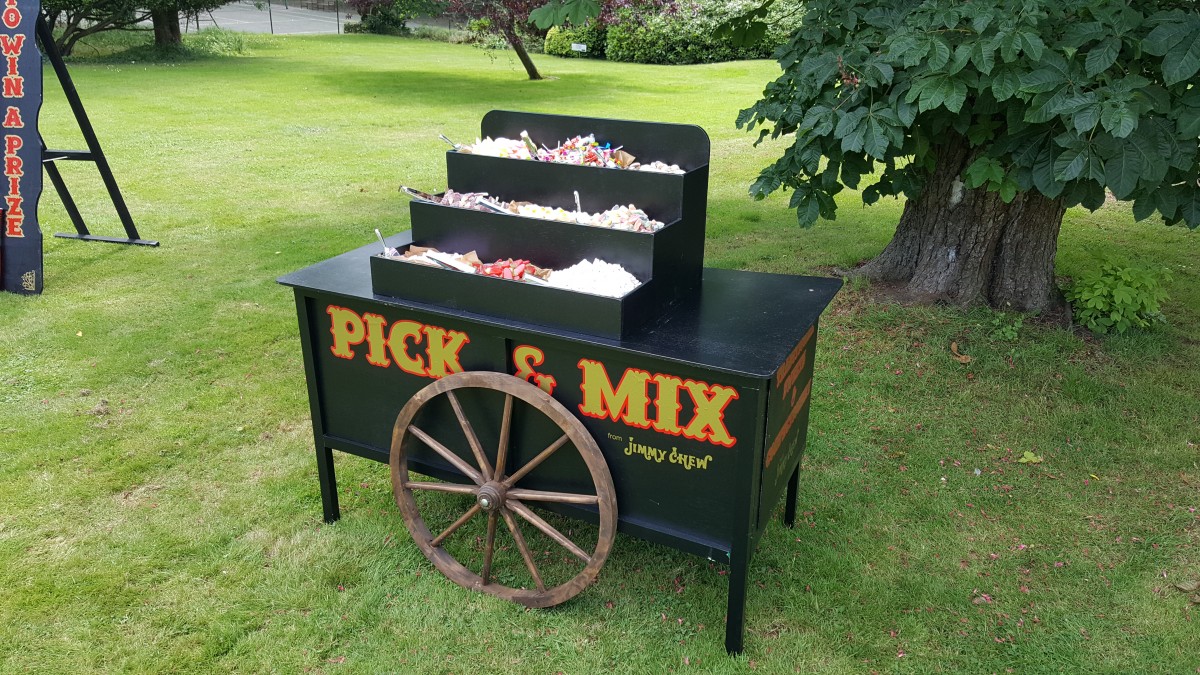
<point>93,154</point>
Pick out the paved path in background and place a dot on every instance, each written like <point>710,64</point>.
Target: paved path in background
<point>245,17</point>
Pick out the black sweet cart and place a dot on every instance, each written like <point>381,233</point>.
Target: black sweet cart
<point>676,413</point>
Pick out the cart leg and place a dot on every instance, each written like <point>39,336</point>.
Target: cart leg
<point>735,621</point>
<point>328,481</point>
<point>789,504</point>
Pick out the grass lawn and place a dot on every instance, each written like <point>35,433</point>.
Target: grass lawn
<point>159,508</point>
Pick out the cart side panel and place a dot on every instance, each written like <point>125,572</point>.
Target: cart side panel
<point>671,457</point>
<point>371,359</point>
<point>787,422</point>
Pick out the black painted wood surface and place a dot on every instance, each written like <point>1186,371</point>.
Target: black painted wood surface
<point>745,323</point>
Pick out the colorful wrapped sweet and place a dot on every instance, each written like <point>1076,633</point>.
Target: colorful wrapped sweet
<point>587,276</point>
<point>579,150</point>
<point>619,217</point>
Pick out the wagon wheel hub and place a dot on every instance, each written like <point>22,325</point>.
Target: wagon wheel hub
<point>491,496</point>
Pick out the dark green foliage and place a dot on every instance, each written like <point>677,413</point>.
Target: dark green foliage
<point>390,17</point>
<point>563,12</point>
<point>74,20</point>
<point>675,40</point>
<point>1067,97</point>
<point>593,34</point>
<point>1118,297</point>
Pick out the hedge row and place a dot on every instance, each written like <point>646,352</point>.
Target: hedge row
<point>593,35</point>
<point>687,36</point>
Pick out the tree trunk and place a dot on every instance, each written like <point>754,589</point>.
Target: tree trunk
<point>507,23</point>
<point>966,246</point>
<point>518,46</point>
<point>166,26</point>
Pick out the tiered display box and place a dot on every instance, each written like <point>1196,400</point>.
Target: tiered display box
<point>668,262</point>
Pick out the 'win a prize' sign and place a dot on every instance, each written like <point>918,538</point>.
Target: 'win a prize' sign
<point>21,99</point>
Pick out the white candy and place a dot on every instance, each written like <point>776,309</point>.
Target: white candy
<point>596,277</point>
<point>500,147</point>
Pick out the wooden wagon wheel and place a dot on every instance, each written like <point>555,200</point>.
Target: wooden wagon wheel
<point>497,495</point>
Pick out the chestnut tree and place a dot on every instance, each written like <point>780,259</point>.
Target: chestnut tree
<point>991,118</point>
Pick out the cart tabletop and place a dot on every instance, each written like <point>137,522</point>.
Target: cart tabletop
<point>740,322</point>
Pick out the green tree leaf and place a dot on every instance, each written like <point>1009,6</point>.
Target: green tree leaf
<point>984,56</point>
<point>1070,164</point>
<point>1167,35</point>
<point>939,54</point>
<point>1121,172</point>
<point>1005,84</point>
<point>1182,62</point>
<point>1044,175</point>
<point>956,95</point>
<point>1102,56</point>
<point>1008,189</point>
<point>1118,120</point>
<point>1032,45</point>
<point>1189,208</point>
<point>875,140</point>
<point>1043,80</point>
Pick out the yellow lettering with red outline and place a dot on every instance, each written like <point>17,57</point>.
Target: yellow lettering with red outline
<point>667,404</point>
<point>709,421</point>
<point>526,357</point>
<point>375,340</point>
<point>347,328</point>
<point>398,345</point>
<point>627,403</point>
<point>442,346</point>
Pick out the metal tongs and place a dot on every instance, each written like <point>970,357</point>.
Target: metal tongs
<point>420,196</point>
<point>448,262</point>
<point>388,251</point>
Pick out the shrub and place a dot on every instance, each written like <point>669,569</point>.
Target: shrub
<point>592,34</point>
<point>217,42</point>
<point>1117,297</point>
<point>689,34</point>
<point>389,17</point>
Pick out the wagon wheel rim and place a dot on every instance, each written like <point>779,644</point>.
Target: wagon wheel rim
<point>498,495</point>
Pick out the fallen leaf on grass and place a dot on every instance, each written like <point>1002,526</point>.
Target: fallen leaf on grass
<point>1189,586</point>
<point>101,409</point>
<point>1030,458</point>
<point>961,358</point>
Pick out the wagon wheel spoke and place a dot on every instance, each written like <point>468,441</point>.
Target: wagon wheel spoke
<point>556,497</point>
<point>443,487</point>
<point>505,429</point>
<point>548,529</point>
<point>437,541</point>
<point>533,463</point>
<point>469,432</point>
<point>489,549</point>
<point>524,548</point>
<point>492,488</point>
<point>447,454</point>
